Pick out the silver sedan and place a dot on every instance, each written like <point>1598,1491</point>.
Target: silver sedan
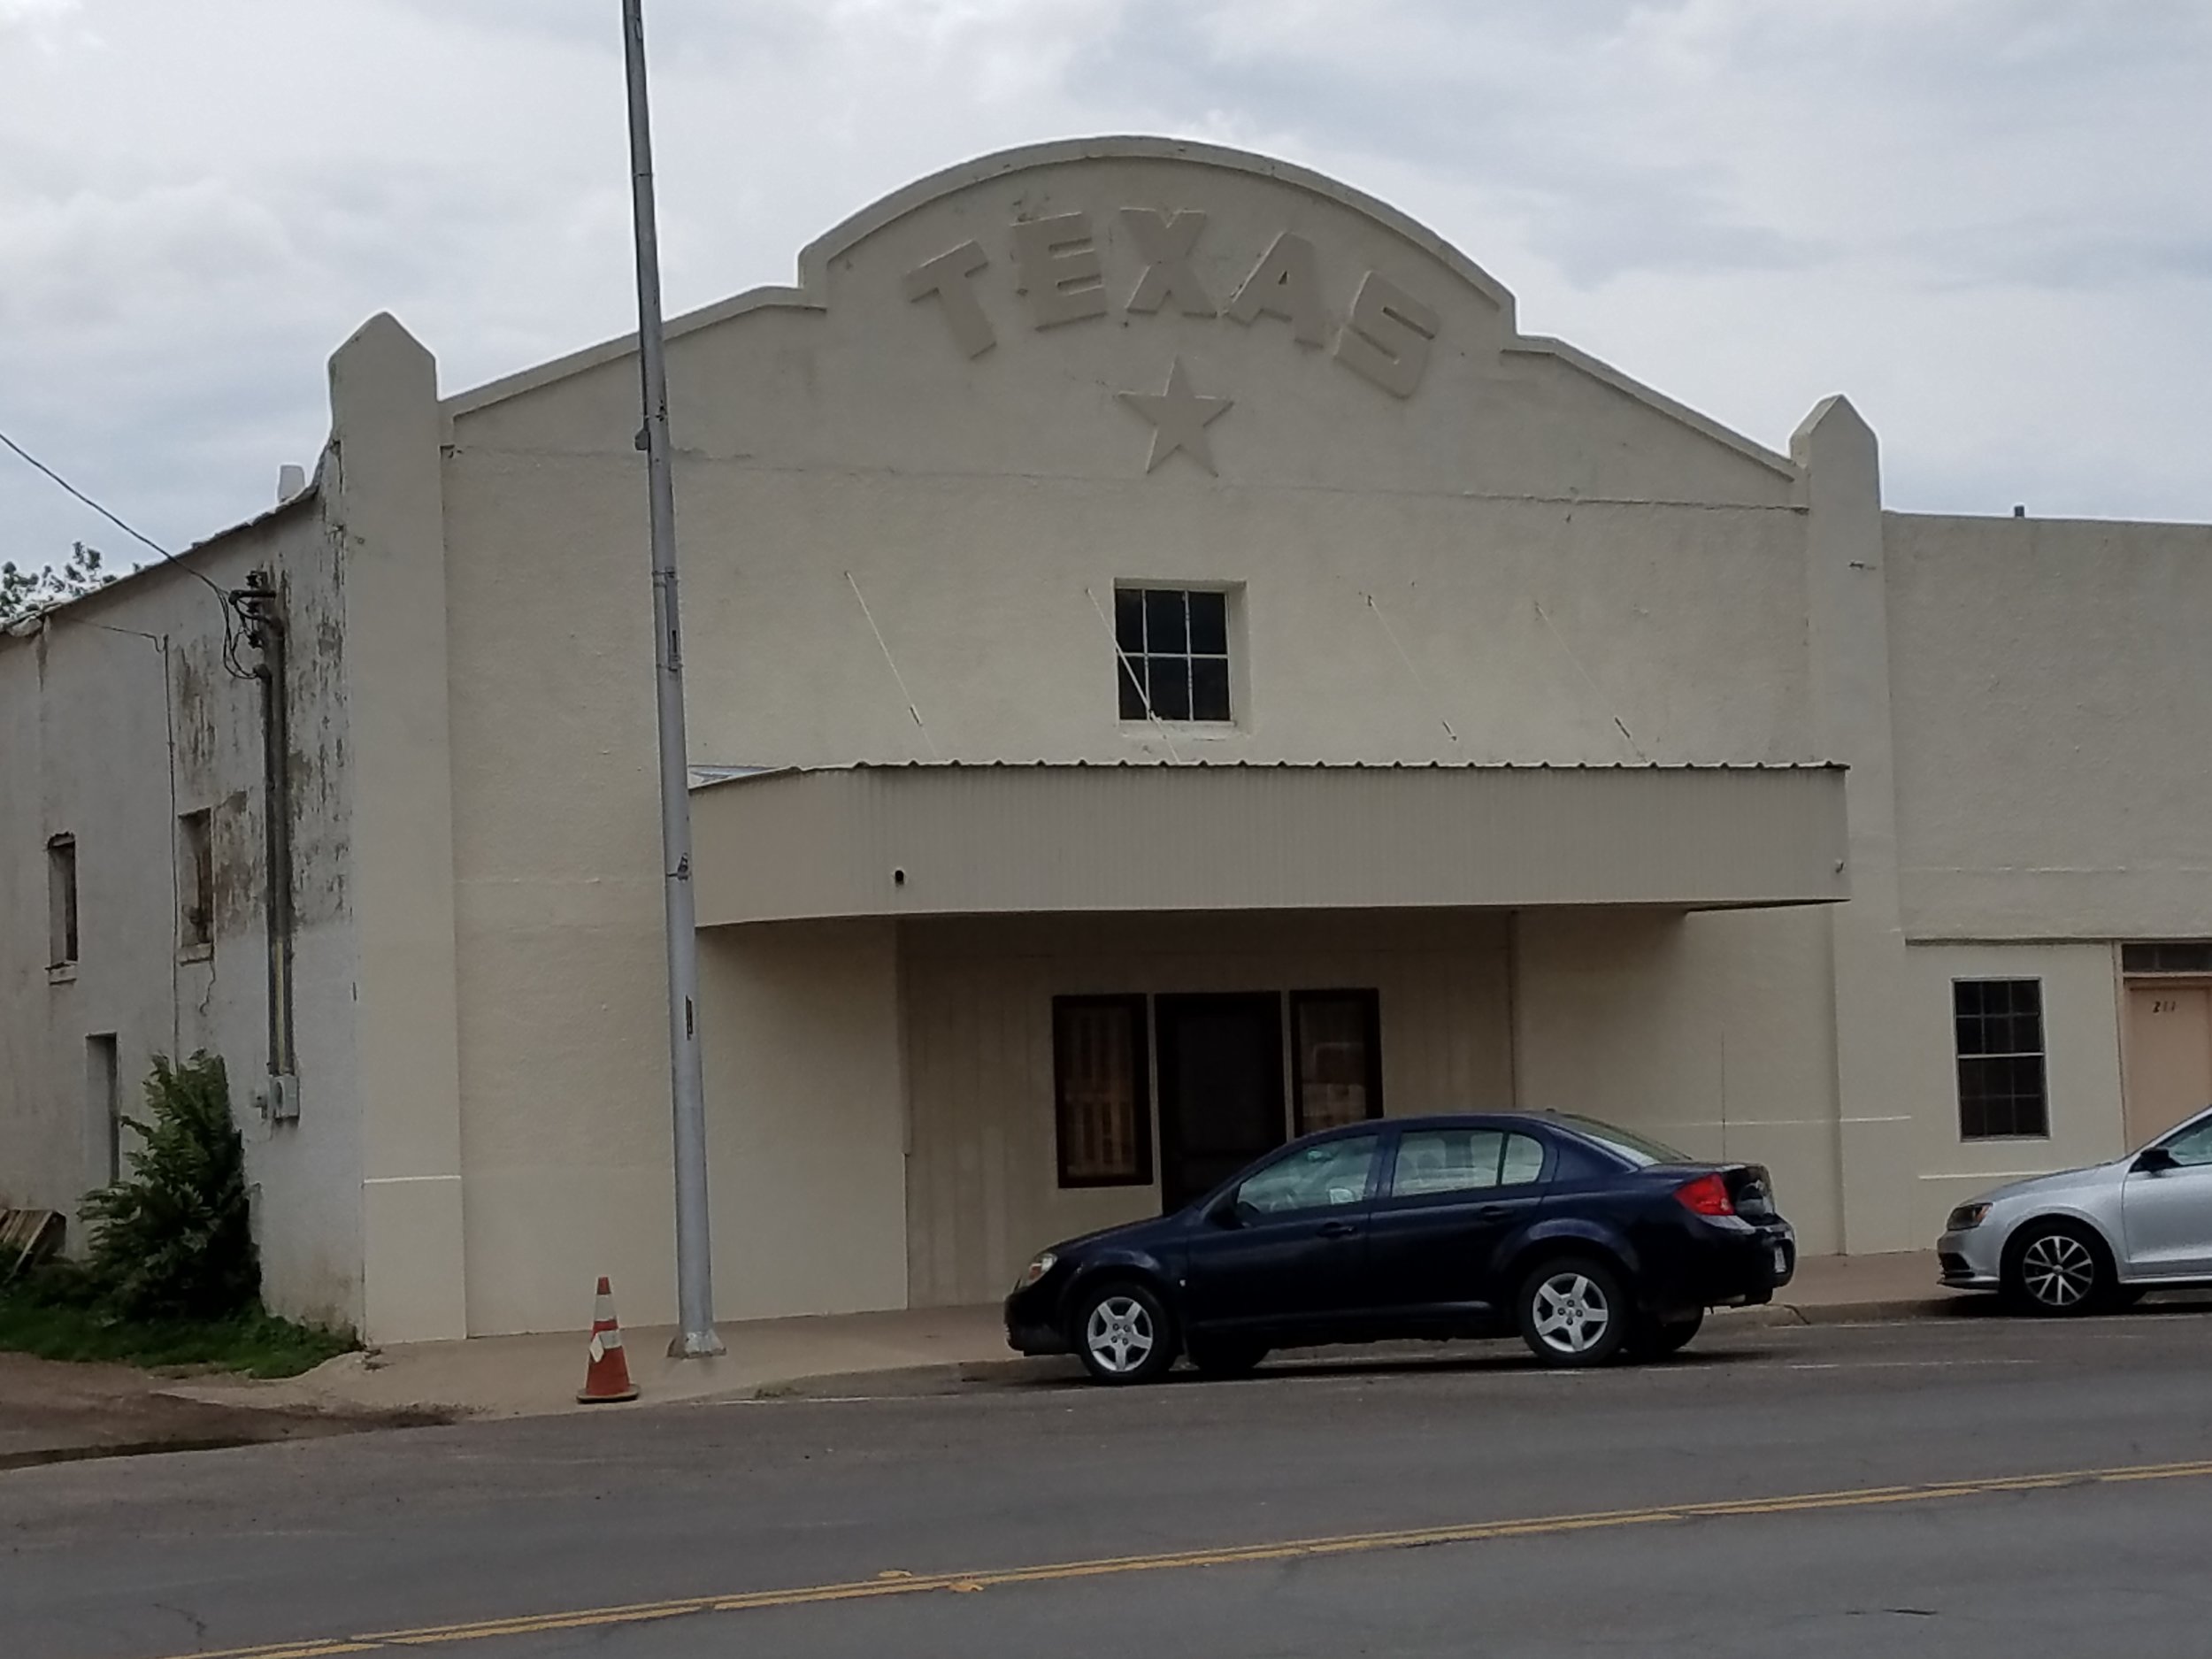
<point>2093,1239</point>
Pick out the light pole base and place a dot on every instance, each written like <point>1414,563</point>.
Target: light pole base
<point>697,1344</point>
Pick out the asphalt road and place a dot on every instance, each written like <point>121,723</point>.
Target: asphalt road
<point>1961,1488</point>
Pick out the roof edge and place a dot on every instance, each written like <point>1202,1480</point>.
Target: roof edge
<point>716,777</point>
<point>815,257</point>
<point>184,561</point>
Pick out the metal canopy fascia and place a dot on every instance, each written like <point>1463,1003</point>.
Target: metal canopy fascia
<point>1011,840</point>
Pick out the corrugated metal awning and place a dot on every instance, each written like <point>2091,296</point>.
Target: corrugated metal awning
<point>993,840</point>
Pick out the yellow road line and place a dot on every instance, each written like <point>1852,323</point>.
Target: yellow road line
<point>1225,1555</point>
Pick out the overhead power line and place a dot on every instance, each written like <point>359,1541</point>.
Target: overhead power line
<point>127,529</point>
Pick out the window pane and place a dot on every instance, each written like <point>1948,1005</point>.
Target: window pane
<point>1312,1178</point>
<point>2167,959</point>
<point>2002,1081</point>
<point>2193,1146</point>
<point>1129,619</point>
<point>1102,1105</point>
<point>1170,680</point>
<point>1210,623</point>
<point>1434,1161</point>
<point>1126,670</point>
<point>1524,1161</point>
<point>1210,688</point>
<point>1164,628</point>
<point>1333,1042</point>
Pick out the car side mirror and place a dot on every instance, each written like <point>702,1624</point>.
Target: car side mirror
<point>2153,1160</point>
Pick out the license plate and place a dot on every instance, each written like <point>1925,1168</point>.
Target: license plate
<point>1781,1259</point>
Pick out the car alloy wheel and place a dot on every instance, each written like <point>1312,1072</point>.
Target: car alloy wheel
<point>2059,1272</point>
<point>1123,1335</point>
<point>1120,1333</point>
<point>1573,1312</point>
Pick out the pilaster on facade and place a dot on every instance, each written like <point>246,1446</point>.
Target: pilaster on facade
<point>1847,646</point>
<point>389,508</point>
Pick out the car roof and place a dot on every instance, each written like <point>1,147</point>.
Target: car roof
<point>1446,1120</point>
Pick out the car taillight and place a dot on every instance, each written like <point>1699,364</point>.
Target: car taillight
<point>1706,1195</point>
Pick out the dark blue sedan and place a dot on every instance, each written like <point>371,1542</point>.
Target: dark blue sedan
<point>1595,1243</point>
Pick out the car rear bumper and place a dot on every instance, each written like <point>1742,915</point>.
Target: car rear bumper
<point>1722,1266</point>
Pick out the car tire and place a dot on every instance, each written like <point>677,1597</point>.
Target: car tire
<point>1124,1333</point>
<point>2058,1270</point>
<point>1662,1338</point>
<point>1225,1357</point>
<point>1573,1311</point>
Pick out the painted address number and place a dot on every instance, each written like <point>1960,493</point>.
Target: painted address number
<point>2163,1005</point>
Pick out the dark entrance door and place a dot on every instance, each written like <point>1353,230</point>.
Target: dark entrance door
<point>1221,1088</point>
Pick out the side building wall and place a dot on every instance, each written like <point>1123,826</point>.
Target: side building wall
<point>117,714</point>
<point>2052,689</point>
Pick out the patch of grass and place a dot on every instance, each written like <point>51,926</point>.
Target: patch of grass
<point>54,1314</point>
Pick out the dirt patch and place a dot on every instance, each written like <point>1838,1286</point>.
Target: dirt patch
<point>52,1412</point>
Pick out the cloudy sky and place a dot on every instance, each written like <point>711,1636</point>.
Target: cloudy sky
<point>1989,221</point>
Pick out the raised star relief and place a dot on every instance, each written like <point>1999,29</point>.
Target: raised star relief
<point>1179,418</point>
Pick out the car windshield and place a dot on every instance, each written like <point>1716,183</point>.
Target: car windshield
<point>1641,1150</point>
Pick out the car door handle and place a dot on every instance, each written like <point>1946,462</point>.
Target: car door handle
<point>1338,1229</point>
<point>1495,1212</point>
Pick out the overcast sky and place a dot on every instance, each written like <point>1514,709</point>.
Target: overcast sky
<point>1989,221</point>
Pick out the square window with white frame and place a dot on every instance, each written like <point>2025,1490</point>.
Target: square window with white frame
<point>1171,649</point>
<point>2003,1088</point>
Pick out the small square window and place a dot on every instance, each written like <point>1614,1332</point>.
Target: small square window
<point>1172,646</point>
<point>2003,1088</point>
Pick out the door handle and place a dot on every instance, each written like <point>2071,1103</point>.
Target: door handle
<point>1338,1229</point>
<point>1495,1212</point>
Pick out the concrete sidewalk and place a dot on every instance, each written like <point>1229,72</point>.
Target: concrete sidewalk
<point>523,1376</point>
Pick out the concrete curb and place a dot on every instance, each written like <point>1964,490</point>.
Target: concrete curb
<point>1877,1312</point>
<point>954,1377</point>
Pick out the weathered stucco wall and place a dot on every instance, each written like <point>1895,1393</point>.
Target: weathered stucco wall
<point>919,477</point>
<point>1518,560</point>
<point>116,717</point>
<point>1713,1032</point>
<point>2081,1039</point>
<point>2054,691</point>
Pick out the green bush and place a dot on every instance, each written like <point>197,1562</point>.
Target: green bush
<point>172,1240</point>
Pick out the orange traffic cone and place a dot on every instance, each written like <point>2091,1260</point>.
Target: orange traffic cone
<point>607,1378</point>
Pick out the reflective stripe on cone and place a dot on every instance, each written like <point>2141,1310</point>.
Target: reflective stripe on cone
<point>607,1376</point>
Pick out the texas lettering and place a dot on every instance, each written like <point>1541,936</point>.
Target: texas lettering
<point>1061,276</point>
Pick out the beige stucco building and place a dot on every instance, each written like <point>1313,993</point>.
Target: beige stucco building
<point>1170,663</point>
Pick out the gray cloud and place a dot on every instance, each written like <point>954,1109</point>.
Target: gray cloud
<point>1984,218</point>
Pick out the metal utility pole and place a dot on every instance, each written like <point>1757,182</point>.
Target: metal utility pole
<point>696,1335</point>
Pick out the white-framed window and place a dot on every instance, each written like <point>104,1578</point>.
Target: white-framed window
<point>2003,1088</point>
<point>1173,654</point>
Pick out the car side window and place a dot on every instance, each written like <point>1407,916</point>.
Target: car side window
<point>1322,1177</point>
<point>2193,1146</point>
<point>1523,1162</point>
<point>1433,1160</point>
